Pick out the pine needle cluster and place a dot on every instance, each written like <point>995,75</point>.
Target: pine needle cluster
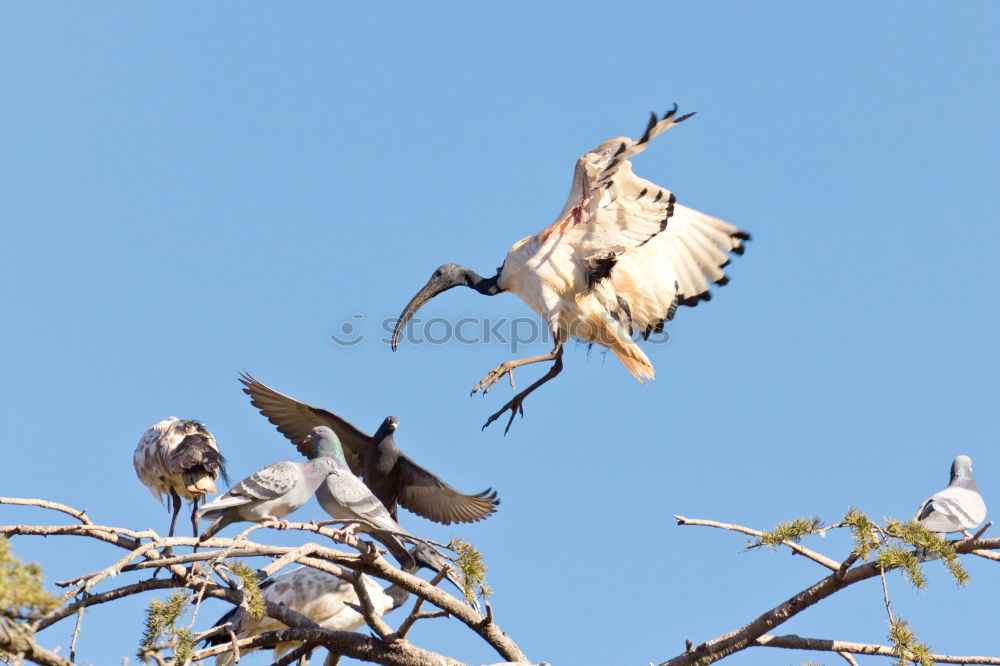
<point>22,594</point>
<point>792,530</point>
<point>472,567</point>
<point>161,626</point>
<point>908,648</point>
<point>253,600</point>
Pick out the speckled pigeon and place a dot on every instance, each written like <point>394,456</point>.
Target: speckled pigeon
<point>345,497</point>
<point>957,508</point>
<point>268,494</point>
<point>391,475</point>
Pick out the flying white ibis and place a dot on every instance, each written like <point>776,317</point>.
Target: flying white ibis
<point>617,261</point>
<point>180,459</point>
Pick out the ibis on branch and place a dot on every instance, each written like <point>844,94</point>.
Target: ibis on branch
<point>179,458</point>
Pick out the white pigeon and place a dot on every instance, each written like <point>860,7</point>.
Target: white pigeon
<point>957,508</point>
<point>320,596</point>
<point>324,599</point>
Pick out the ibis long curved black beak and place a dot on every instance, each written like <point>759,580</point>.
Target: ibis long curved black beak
<point>434,286</point>
<point>443,279</point>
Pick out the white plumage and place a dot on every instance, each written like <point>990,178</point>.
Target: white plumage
<point>320,596</point>
<point>621,256</point>
<point>179,459</point>
<point>957,508</point>
<point>616,263</point>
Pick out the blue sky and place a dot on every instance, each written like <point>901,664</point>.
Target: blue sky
<point>193,190</point>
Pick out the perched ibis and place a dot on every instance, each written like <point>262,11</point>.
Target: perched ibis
<point>615,264</point>
<point>180,459</point>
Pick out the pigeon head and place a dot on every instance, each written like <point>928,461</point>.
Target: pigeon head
<point>388,427</point>
<point>961,472</point>
<point>325,444</point>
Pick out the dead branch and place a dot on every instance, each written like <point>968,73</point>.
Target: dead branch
<point>747,635</point>
<point>45,504</point>
<point>798,548</point>
<point>145,551</point>
<point>793,642</point>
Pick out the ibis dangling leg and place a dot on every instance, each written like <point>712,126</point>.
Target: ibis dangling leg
<point>176,501</point>
<point>515,406</point>
<point>507,368</point>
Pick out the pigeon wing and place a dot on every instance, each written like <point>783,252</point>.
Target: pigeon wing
<point>295,419</point>
<point>428,496</point>
<point>269,483</point>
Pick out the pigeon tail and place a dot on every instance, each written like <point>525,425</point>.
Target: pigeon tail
<point>223,521</point>
<point>396,549</point>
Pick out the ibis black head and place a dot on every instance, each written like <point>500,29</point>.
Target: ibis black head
<point>443,279</point>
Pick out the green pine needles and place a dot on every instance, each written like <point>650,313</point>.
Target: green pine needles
<point>908,648</point>
<point>792,530</point>
<point>472,567</point>
<point>22,595</point>
<point>161,626</point>
<point>253,600</point>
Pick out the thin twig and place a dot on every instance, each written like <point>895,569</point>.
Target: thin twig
<point>833,565</point>
<point>793,642</point>
<point>45,504</point>
<point>377,624</point>
<point>415,613</point>
<point>848,658</point>
<point>76,634</point>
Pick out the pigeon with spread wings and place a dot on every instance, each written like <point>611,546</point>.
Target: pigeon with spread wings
<point>387,471</point>
<point>616,263</point>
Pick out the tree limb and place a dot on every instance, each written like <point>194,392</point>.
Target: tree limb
<point>744,637</point>
<point>833,565</point>
<point>793,642</point>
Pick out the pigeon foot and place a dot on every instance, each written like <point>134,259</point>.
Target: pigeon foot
<point>276,522</point>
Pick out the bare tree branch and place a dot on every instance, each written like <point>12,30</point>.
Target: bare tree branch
<point>144,551</point>
<point>744,637</point>
<point>45,504</point>
<point>833,565</point>
<point>793,642</point>
<point>17,639</point>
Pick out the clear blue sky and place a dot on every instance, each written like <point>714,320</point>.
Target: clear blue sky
<point>190,190</point>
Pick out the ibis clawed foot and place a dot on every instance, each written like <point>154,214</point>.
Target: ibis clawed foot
<point>495,375</point>
<point>516,404</point>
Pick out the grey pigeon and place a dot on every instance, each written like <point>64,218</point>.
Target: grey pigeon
<point>268,494</point>
<point>957,508</point>
<point>391,475</point>
<point>345,497</point>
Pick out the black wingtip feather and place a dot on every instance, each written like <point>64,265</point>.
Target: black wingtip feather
<point>649,128</point>
<point>684,117</point>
